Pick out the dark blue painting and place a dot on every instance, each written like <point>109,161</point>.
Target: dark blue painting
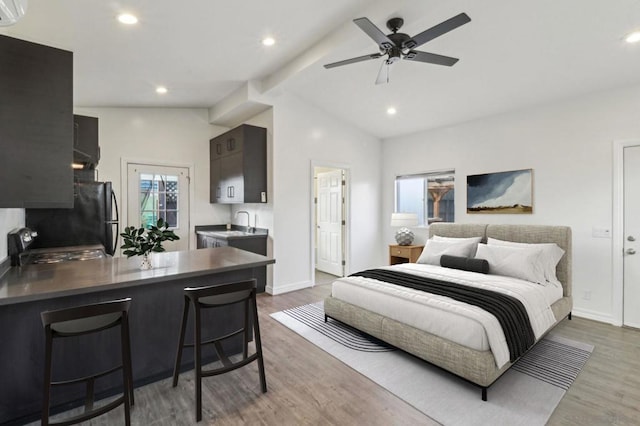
<point>502,192</point>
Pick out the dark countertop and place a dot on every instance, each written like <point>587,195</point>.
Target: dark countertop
<point>37,282</point>
<point>220,231</point>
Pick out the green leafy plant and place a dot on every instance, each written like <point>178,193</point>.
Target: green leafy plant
<point>141,241</point>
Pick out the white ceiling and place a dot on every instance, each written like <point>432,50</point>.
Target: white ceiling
<point>513,54</point>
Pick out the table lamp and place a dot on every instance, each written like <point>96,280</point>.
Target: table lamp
<point>404,236</point>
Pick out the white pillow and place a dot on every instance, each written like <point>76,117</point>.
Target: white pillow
<point>550,256</point>
<point>434,250</point>
<point>522,263</point>
<point>475,240</point>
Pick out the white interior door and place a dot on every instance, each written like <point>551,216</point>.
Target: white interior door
<point>159,192</point>
<point>329,217</point>
<point>631,312</point>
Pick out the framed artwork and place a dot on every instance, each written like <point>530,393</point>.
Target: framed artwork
<point>501,192</point>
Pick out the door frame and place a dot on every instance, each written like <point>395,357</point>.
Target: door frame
<point>124,190</point>
<point>617,251</point>
<point>347,214</point>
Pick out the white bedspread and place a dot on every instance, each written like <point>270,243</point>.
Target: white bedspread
<point>458,322</point>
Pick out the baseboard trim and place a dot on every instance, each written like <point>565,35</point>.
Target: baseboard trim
<point>287,287</point>
<point>595,316</point>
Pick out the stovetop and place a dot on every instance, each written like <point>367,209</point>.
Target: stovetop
<point>20,240</point>
<point>62,254</point>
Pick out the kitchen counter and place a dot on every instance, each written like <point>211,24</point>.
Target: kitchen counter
<point>35,282</point>
<point>154,319</point>
<point>236,232</point>
<point>238,236</point>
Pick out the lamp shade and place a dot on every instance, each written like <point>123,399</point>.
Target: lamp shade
<point>404,219</point>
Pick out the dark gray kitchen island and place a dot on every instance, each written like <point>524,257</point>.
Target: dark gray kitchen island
<point>154,318</point>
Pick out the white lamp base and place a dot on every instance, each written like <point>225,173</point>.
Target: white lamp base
<point>404,237</point>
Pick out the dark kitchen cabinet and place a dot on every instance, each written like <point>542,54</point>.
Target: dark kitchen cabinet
<point>36,125</point>
<point>211,236</point>
<point>238,160</point>
<point>206,241</point>
<point>86,150</point>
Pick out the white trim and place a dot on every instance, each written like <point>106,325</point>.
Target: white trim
<point>347,212</point>
<point>288,287</point>
<point>618,229</point>
<point>124,185</point>
<point>593,315</point>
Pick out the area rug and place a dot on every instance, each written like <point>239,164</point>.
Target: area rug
<point>527,394</point>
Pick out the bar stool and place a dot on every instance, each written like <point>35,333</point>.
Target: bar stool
<point>242,293</point>
<point>82,320</point>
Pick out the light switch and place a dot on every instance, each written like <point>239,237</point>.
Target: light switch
<point>601,232</point>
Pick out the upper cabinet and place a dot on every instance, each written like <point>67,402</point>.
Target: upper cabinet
<point>36,125</point>
<point>239,166</point>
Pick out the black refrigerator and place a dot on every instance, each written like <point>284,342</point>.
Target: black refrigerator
<point>92,220</point>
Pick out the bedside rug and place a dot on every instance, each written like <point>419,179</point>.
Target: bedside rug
<point>527,394</point>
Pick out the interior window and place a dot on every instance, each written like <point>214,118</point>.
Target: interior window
<point>430,195</point>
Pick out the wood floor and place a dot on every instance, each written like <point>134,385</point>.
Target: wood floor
<point>306,386</point>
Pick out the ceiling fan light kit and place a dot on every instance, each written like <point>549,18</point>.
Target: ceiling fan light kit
<point>397,46</point>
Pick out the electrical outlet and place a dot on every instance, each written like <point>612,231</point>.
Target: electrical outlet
<point>586,295</point>
<point>601,232</point>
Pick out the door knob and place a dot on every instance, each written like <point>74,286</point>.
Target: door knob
<point>630,251</point>
<point>631,238</point>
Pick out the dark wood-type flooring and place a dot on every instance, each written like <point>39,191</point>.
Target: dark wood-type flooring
<point>307,386</point>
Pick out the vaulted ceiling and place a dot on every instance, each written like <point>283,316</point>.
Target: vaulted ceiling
<point>513,54</point>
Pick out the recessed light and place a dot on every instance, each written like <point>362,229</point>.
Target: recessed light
<point>633,37</point>
<point>391,111</point>
<point>161,90</point>
<point>127,18</point>
<point>268,41</point>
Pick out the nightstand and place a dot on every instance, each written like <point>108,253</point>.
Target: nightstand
<point>404,254</point>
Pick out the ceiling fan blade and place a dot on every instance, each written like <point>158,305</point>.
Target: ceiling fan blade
<point>374,32</point>
<point>436,31</point>
<point>353,60</point>
<point>383,74</point>
<point>430,58</point>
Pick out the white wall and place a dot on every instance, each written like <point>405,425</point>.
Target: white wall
<point>302,134</point>
<point>261,215</point>
<point>569,147</point>
<point>171,136</point>
<point>9,220</point>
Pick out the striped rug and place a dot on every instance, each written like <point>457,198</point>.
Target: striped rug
<point>312,316</point>
<point>527,394</point>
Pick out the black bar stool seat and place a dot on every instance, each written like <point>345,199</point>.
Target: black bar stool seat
<point>242,294</point>
<point>81,320</point>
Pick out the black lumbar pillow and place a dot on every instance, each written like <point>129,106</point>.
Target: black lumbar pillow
<point>465,263</point>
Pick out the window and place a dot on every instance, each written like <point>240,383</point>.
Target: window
<point>158,199</point>
<point>429,195</point>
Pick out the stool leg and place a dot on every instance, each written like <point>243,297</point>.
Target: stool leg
<point>198,361</point>
<point>247,329</point>
<point>256,328</point>
<point>183,328</point>
<point>47,377</point>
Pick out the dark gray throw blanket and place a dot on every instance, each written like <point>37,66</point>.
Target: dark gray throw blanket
<point>509,311</point>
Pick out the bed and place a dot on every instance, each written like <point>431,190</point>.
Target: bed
<point>398,319</point>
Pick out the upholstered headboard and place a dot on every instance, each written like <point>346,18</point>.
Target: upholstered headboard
<point>561,235</point>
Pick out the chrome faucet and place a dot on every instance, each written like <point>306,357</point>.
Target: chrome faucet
<point>249,229</point>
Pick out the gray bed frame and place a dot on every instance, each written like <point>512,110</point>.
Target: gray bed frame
<point>478,367</point>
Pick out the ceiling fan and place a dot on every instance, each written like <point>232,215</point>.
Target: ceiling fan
<point>398,46</point>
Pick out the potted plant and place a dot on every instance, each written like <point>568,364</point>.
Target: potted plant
<point>141,241</point>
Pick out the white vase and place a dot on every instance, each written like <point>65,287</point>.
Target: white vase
<point>145,264</point>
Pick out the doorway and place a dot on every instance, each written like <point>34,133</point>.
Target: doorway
<point>626,243</point>
<point>154,192</point>
<point>329,224</point>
